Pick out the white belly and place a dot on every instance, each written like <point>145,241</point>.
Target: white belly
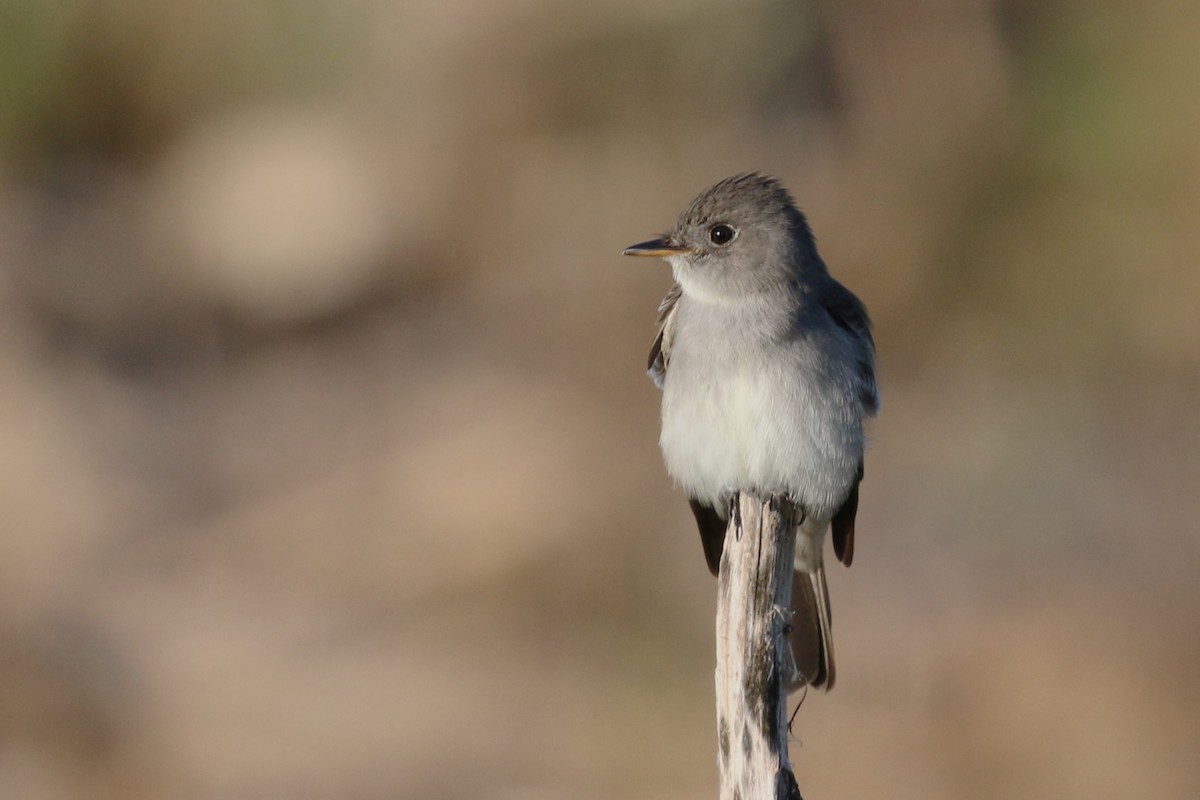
<point>758,431</point>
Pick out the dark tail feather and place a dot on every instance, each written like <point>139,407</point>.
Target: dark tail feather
<point>812,631</point>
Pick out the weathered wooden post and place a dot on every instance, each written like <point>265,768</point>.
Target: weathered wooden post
<point>754,661</point>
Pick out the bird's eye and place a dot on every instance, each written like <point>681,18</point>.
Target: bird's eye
<point>720,234</point>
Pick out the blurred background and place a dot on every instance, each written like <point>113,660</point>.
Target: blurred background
<point>329,466</point>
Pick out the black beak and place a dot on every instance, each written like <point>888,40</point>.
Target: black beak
<point>655,247</point>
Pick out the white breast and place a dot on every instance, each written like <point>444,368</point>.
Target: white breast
<point>730,423</point>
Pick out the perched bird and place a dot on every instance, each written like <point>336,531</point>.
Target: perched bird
<point>767,370</point>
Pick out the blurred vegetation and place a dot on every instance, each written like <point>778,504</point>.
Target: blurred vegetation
<point>330,469</point>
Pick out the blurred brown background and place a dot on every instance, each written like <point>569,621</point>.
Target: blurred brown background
<point>329,466</point>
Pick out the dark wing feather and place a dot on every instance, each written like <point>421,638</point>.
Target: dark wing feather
<point>849,314</point>
<point>660,351</point>
<point>842,526</point>
<point>712,532</point>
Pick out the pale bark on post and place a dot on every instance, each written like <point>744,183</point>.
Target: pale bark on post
<point>753,657</point>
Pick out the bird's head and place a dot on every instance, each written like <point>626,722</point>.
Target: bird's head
<point>739,238</point>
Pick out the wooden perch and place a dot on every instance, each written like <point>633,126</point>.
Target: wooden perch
<point>753,657</point>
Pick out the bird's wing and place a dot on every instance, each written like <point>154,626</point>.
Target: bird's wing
<point>849,314</point>
<point>660,351</point>
<point>842,524</point>
<point>710,521</point>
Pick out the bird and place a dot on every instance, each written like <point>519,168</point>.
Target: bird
<point>767,369</point>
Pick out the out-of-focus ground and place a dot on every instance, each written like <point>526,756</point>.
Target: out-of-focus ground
<point>328,466</point>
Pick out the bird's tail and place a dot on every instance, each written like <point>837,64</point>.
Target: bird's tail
<point>812,630</point>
